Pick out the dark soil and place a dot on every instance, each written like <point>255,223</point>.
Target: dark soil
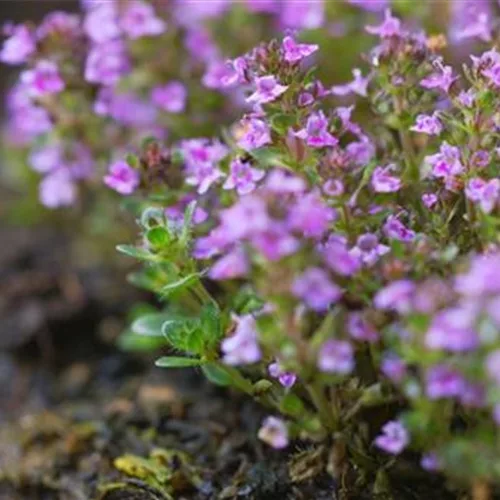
<point>82,420</point>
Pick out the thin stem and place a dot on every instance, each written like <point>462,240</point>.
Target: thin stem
<point>322,405</point>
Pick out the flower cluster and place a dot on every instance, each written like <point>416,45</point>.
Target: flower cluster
<point>325,248</point>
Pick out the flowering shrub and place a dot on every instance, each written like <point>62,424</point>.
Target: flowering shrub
<point>338,266</point>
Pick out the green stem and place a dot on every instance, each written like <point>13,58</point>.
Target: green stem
<point>321,403</point>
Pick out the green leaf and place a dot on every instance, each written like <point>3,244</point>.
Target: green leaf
<point>132,160</point>
<point>149,325</point>
<point>177,362</point>
<point>292,405</point>
<point>188,223</point>
<point>135,252</point>
<point>211,324</point>
<point>129,341</point>
<point>181,284</point>
<point>152,217</point>
<point>184,334</point>
<point>216,374</point>
<point>158,237</point>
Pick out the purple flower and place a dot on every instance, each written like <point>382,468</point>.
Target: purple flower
<point>396,296</point>
<point>370,5</point>
<point>43,79</point>
<point>294,52</point>
<point>467,98</point>
<point>484,193</point>
<point>139,19</point>
<point>336,356</point>
<point>443,382</point>
<point>202,157</point>
<point>316,132</point>
<point>394,229</point>
<point>275,242</point>
<point>125,108</point>
<point>333,187</point>
<point>340,259</point>
<point>391,26</point>
<point>359,329</point>
<point>200,45</point>
<point>170,97</point>
<point>361,152</point>
<point>394,438</point>
<point>242,348</point>
<point>122,178</point>
<point>482,277</point>
<point>302,14</point>
<point>107,63</point>
<point>274,432</point>
<point>217,75</point>
<point>472,395</point>
<point>280,182</point>
<point>430,462</point>
<point>101,22</point>
<point>310,216</point>
<point>286,379</point>
<point>492,366</point>
<point>233,265</point>
<point>383,182</point>
<point>235,73</point>
<point>359,85</point>
<point>453,331</point>
<point>315,289</point>
<point>428,124</point>
<point>447,162</point>
<point>429,199</point>
<point>256,133</point>
<point>242,177</point>
<point>57,190</point>
<point>268,89</point>
<point>440,79</point>
<point>59,23</point>
<point>368,249</point>
<point>394,368</point>
<point>245,218</point>
<point>18,47</point>
<point>46,159</point>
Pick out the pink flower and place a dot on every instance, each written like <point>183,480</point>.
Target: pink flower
<point>360,329</point>
<point>107,63</point>
<point>315,289</point>
<point>310,216</point>
<point>243,177</point>
<point>394,438</point>
<point>396,296</point>
<point>359,85</point>
<point>429,199</point>
<point>447,162</point>
<point>43,79</point>
<point>383,182</point>
<point>275,241</point>
<point>242,348</point>
<point>233,265</point>
<point>139,19</point>
<point>336,356</point>
<point>294,52</point>
<point>18,47</point>
<point>391,26</point>
<point>286,379</point>
<point>428,124</point>
<point>122,178</point>
<point>170,97</point>
<point>256,133</point>
<point>316,132</point>
<point>302,14</point>
<point>274,433</point>
<point>484,193</point>
<point>268,89</point>
<point>442,79</point>
<point>394,229</point>
<point>57,189</point>
<point>101,22</point>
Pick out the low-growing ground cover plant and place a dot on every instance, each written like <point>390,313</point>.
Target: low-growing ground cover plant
<point>339,265</point>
